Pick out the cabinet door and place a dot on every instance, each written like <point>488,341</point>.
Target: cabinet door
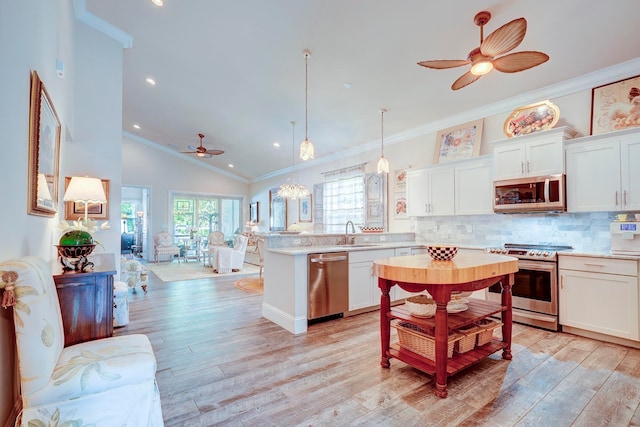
<point>473,189</point>
<point>509,161</point>
<point>417,192</point>
<point>544,157</point>
<point>603,303</point>
<point>360,285</point>
<point>397,293</point>
<point>441,191</point>
<point>593,177</point>
<point>630,173</point>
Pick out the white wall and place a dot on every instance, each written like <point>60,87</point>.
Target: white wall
<point>33,34</point>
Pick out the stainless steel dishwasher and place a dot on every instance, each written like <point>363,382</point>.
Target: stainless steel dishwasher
<point>328,275</point>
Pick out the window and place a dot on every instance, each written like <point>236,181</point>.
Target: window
<point>205,214</point>
<point>343,198</point>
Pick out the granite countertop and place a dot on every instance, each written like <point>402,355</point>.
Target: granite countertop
<point>305,250</point>
<point>601,254</point>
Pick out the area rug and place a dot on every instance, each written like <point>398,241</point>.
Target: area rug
<point>252,285</point>
<point>174,272</point>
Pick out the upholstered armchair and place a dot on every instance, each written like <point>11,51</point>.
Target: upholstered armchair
<point>105,382</point>
<point>226,260</point>
<point>215,239</point>
<point>163,245</point>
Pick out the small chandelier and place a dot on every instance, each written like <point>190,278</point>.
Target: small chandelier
<point>292,189</point>
<point>383,164</point>
<point>306,148</point>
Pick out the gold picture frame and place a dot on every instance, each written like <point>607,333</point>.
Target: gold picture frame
<point>459,142</point>
<point>75,210</point>
<point>531,118</point>
<point>44,151</point>
<point>615,106</point>
<point>305,209</point>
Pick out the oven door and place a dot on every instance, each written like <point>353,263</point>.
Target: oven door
<point>535,287</point>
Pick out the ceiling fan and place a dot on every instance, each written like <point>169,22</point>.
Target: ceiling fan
<point>201,151</point>
<point>483,58</point>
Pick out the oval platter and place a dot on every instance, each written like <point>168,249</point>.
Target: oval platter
<point>531,118</point>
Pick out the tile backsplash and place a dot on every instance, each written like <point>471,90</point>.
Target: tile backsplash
<point>586,232</point>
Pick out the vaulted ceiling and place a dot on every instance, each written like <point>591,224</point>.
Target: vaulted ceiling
<point>234,70</point>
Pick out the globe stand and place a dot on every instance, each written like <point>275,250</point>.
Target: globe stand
<point>75,257</point>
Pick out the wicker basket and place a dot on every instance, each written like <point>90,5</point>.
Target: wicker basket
<point>468,340</point>
<point>487,326</point>
<point>417,340</point>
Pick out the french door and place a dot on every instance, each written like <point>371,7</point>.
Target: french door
<point>201,214</point>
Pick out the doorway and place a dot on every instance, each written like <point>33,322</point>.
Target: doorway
<point>134,211</point>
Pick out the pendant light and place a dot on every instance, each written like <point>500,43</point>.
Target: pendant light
<point>306,148</point>
<point>292,189</point>
<point>383,164</point>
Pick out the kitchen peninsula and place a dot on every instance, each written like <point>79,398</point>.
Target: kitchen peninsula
<point>466,273</point>
<point>286,296</point>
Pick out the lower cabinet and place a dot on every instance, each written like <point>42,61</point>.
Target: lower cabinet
<point>397,293</point>
<point>363,284</point>
<point>599,295</point>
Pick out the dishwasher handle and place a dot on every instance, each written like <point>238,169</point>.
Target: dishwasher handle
<point>334,259</point>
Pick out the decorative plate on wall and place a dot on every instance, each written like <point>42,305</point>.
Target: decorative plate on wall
<point>532,118</point>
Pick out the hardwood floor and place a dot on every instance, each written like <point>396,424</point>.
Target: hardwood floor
<point>221,363</point>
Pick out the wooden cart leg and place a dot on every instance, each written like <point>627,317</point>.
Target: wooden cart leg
<point>385,322</point>
<point>507,316</point>
<point>441,344</point>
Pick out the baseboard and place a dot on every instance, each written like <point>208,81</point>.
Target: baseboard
<point>13,415</point>
<point>285,320</point>
<point>600,337</point>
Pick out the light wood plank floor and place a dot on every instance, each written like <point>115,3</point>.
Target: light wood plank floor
<point>221,363</point>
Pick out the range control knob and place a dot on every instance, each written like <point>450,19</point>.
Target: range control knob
<point>545,254</point>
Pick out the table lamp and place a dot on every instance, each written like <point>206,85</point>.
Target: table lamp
<point>87,190</point>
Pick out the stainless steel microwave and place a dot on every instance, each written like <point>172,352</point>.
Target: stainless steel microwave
<point>533,194</point>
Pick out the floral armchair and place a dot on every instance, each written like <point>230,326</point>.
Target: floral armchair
<point>163,245</point>
<point>103,382</point>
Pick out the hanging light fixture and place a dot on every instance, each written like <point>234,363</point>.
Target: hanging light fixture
<point>383,164</point>
<point>292,189</point>
<point>306,148</point>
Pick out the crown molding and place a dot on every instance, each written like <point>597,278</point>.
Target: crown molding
<point>159,147</point>
<point>83,15</point>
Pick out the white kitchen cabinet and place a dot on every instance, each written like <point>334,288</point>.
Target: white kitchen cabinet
<point>397,293</point>
<point>599,295</point>
<point>536,154</point>
<point>363,284</point>
<point>603,172</point>
<point>430,191</point>
<point>473,187</point>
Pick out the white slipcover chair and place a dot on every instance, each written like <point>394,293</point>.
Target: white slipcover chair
<point>215,239</point>
<point>163,245</point>
<point>105,382</point>
<point>225,260</point>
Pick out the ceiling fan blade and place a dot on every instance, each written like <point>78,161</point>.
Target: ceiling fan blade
<point>191,147</point>
<point>519,61</point>
<point>188,152</point>
<point>505,38</point>
<point>441,64</point>
<point>215,152</point>
<point>464,80</point>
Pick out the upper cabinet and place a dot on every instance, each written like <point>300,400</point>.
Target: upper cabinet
<point>460,188</point>
<point>536,154</point>
<point>603,172</point>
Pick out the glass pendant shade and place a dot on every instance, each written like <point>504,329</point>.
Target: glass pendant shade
<point>306,148</point>
<point>292,189</point>
<point>383,164</point>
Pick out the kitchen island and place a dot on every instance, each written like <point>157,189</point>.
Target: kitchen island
<point>465,273</point>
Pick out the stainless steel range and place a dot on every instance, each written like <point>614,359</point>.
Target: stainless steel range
<point>535,288</point>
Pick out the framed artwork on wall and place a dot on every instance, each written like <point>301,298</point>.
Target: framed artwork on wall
<point>615,106</point>
<point>75,210</point>
<point>44,152</point>
<point>459,142</point>
<point>304,209</point>
<point>254,212</point>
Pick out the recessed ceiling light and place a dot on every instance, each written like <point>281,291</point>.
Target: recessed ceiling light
<point>136,126</point>
<point>157,2</point>
<point>276,144</point>
<point>347,85</point>
<point>230,165</point>
<point>151,81</point>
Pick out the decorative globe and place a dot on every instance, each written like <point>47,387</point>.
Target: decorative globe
<point>76,238</point>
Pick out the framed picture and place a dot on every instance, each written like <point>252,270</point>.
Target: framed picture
<point>44,151</point>
<point>254,212</point>
<point>74,210</point>
<point>400,205</point>
<point>459,142</point>
<point>615,106</point>
<point>277,211</point>
<point>304,209</point>
<point>531,118</point>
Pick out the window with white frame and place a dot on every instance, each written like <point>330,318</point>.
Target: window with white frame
<point>343,198</point>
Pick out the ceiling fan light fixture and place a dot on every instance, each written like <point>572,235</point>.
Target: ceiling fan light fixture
<point>481,67</point>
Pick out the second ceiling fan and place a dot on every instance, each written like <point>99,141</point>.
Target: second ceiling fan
<point>485,57</point>
<point>201,150</point>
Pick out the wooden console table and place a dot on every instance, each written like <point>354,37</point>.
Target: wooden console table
<point>466,272</point>
<point>86,300</point>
